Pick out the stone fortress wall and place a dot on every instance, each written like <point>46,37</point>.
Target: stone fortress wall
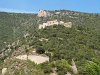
<point>55,22</point>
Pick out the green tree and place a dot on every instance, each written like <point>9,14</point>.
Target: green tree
<point>91,68</point>
<point>63,66</point>
<point>40,50</point>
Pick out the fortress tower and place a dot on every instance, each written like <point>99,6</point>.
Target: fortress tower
<point>42,13</point>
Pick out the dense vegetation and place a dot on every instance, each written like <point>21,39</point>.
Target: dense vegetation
<point>80,43</point>
<point>13,26</point>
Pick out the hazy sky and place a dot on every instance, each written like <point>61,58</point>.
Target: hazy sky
<point>92,6</point>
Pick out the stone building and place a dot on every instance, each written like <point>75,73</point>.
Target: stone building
<point>55,22</point>
<point>43,13</point>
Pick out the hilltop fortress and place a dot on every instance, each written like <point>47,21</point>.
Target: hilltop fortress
<point>55,22</point>
<point>43,13</point>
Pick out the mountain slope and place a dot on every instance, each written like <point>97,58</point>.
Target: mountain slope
<point>80,43</point>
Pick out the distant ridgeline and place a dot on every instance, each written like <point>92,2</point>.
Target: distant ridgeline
<point>45,13</point>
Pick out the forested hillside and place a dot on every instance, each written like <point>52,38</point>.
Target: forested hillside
<point>13,26</point>
<point>80,43</point>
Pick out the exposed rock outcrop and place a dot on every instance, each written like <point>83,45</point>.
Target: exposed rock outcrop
<point>74,68</point>
<point>4,70</point>
<point>43,39</point>
<point>68,73</point>
<point>38,59</point>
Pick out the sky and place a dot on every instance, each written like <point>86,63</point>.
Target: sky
<point>33,6</point>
